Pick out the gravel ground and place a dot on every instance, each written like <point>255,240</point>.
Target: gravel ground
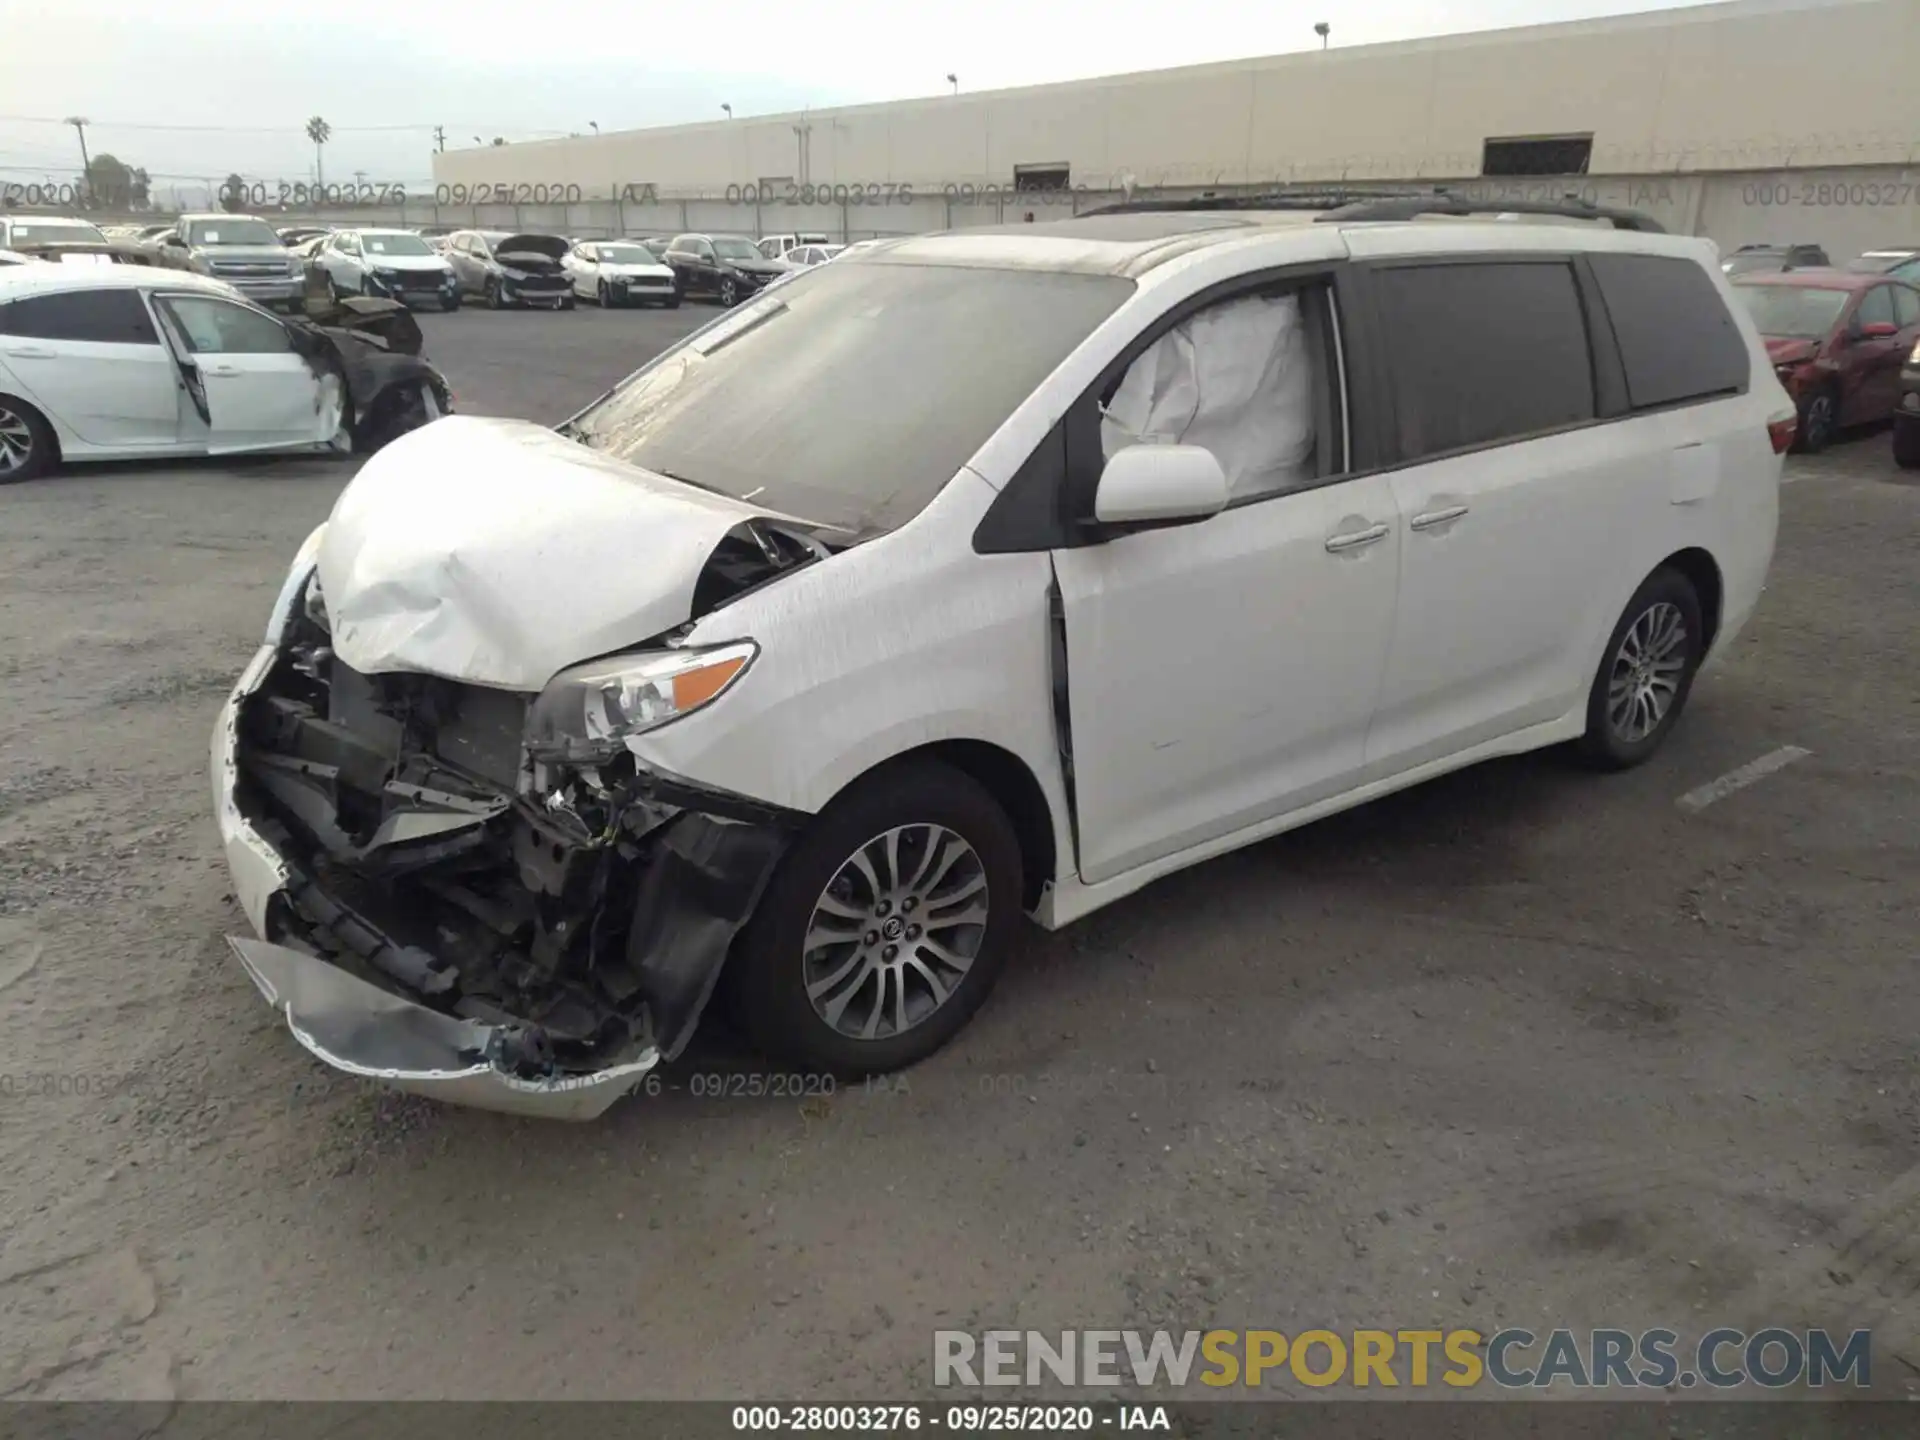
<point>1523,1046</point>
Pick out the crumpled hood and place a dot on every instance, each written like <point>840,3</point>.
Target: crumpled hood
<point>499,553</point>
<point>1787,350</point>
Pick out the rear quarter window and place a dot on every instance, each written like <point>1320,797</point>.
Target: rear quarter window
<point>1678,342</point>
<point>111,317</point>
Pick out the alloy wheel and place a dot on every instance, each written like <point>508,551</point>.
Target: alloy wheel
<point>895,931</point>
<point>16,441</point>
<point>1647,671</point>
<point>1817,428</point>
<point>728,293</point>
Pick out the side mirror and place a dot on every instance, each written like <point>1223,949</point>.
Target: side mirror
<point>1879,330</point>
<point>174,240</point>
<point>1157,484</point>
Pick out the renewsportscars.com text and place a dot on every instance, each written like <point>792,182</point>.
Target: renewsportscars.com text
<point>1510,1359</point>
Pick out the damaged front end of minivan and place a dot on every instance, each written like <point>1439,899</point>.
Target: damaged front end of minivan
<point>457,899</point>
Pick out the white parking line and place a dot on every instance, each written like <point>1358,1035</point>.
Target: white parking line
<point>1698,799</point>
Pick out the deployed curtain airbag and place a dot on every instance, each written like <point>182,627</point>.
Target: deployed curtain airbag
<point>1236,379</point>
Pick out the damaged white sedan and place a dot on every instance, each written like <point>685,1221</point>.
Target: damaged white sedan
<point>115,361</point>
<point>968,575</point>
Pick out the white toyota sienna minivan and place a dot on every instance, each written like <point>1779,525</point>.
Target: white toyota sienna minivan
<point>978,574</point>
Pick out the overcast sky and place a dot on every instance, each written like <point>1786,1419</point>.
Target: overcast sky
<point>524,70</point>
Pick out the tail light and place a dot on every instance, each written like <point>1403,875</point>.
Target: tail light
<point>1781,433</point>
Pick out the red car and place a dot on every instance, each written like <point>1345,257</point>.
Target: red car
<point>1837,340</point>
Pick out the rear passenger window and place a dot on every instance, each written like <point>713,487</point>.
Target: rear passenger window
<point>112,317</point>
<point>1906,305</point>
<point>1484,352</point>
<point>1677,341</point>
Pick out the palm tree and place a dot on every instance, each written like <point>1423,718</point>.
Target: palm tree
<point>319,132</point>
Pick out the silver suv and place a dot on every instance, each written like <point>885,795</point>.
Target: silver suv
<point>240,249</point>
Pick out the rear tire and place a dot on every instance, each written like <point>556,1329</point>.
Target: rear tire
<point>1646,673</point>
<point>860,859</point>
<point>1906,443</point>
<point>27,447</point>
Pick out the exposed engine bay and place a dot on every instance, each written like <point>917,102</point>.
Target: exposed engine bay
<point>581,912</point>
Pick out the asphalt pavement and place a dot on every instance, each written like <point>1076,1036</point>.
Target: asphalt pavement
<point>1522,1046</point>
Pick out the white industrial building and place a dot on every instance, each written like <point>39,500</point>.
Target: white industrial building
<point>1760,120</point>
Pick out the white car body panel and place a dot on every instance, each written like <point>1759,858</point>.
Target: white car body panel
<point>110,397</point>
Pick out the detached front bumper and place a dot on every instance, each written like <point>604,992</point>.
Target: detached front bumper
<point>324,961</point>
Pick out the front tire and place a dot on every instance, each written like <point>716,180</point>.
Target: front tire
<point>729,293</point>
<point>1819,418</point>
<point>1906,443</point>
<point>495,301</point>
<point>26,442</point>
<point>604,296</point>
<point>1646,674</point>
<point>884,927</point>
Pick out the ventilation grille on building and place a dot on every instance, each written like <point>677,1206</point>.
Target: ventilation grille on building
<point>1538,155</point>
<point>1040,177</point>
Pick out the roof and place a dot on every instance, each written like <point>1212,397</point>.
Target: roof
<point>1132,244</point>
<point>17,280</point>
<point>1813,278</point>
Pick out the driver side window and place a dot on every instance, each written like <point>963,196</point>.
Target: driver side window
<point>1245,378</point>
<point>219,327</point>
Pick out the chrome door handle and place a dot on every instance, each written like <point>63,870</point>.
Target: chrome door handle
<point>1353,540</point>
<point>1430,518</point>
<point>222,370</point>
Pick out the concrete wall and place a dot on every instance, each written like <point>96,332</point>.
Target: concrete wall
<point>1761,84</point>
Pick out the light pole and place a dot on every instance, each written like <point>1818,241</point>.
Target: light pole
<point>803,148</point>
<point>79,123</point>
<point>728,108</point>
<point>954,81</point>
<point>594,125</point>
<point>1323,29</point>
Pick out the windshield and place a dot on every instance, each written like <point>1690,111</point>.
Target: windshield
<point>626,255</point>
<point>396,245</point>
<point>231,232</point>
<point>40,232</point>
<point>851,395</point>
<point>729,248</point>
<point>1793,312</point>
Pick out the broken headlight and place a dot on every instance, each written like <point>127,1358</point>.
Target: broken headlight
<point>586,713</point>
<point>304,561</point>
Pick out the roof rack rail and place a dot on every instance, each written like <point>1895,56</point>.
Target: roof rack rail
<point>1303,199</point>
<point>1444,202</point>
